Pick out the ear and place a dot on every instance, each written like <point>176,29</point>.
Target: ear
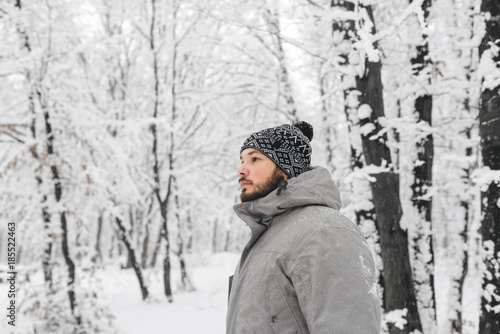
<point>285,176</point>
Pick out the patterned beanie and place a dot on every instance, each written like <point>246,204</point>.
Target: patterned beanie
<point>288,146</point>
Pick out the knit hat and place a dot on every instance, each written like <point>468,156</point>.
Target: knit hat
<point>288,146</point>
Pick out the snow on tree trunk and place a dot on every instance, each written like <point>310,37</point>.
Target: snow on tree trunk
<point>187,285</point>
<point>423,265</point>
<point>461,232</point>
<point>46,257</point>
<point>399,293</point>
<point>163,201</point>
<point>98,252</point>
<point>361,198</point>
<point>132,257</point>
<point>272,18</point>
<point>489,126</point>
<point>327,118</point>
<point>62,214</point>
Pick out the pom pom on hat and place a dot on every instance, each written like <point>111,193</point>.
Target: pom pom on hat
<point>306,129</point>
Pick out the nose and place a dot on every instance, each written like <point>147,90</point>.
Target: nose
<point>242,170</point>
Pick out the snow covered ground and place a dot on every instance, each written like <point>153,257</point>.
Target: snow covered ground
<point>203,311</point>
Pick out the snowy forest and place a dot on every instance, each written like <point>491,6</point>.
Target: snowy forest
<point>121,124</point>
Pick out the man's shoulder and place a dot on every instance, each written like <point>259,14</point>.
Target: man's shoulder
<point>289,233</point>
<point>316,217</point>
<point>300,224</point>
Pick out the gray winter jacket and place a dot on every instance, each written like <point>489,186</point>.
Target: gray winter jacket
<point>306,268</point>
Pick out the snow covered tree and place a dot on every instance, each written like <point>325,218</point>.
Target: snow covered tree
<point>121,123</point>
<point>399,295</point>
<point>489,125</point>
<point>422,184</point>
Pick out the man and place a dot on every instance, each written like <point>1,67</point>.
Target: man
<point>306,268</point>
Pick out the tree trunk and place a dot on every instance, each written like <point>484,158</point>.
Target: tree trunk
<point>214,236</point>
<point>489,128</point>
<point>98,253</point>
<point>330,134</point>
<point>458,282</point>
<point>189,246</point>
<point>47,253</point>
<point>167,286</point>
<point>187,285</point>
<point>461,254</point>
<point>71,269</point>
<point>399,290</point>
<point>145,246</point>
<point>64,236</point>
<point>46,265</point>
<point>422,201</point>
<point>156,249</point>
<point>162,202</point>
<point>364,216</point>
<point>273,22</point>
<point>132,257</point>
<point>145,241</point>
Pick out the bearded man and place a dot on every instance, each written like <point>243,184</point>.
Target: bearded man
<point>306,268</point>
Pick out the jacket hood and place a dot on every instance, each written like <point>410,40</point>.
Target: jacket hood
<point>313,187</point>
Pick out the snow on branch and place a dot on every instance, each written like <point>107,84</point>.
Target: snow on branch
<point>483,177</point>
<point>396,317</point>
<point>488,68</point>
<point>368,172</point>
<point>414,8</point>
<point>365,33</point>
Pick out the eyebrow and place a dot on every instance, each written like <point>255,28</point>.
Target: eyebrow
<point>251,152</point>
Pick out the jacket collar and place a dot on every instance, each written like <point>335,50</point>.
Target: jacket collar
<point>314,187</point>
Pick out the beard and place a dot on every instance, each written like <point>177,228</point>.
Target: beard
<point>265,189</point>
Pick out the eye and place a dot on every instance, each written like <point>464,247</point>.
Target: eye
<point>254,159</point>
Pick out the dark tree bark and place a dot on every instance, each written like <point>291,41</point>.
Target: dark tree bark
<point>145,246</point>
<point>132,257</point>
<point>167,286</point>
<point>98,252</point>
<point>399,289</point>
<point>214,236</point>
<point>64,228</point>
<point>489,127</point>
<point>156,249</point>
<point>189,246</point>
<point>49,143</point>
<point>162,201</point>
<point>457,323</point>
<point>147,236</point>
<point>46,265</point>
<point>187,285</point>
<point>353,124</point>
<point>423,245</point>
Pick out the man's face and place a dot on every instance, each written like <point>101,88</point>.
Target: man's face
<point>259,175</point>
